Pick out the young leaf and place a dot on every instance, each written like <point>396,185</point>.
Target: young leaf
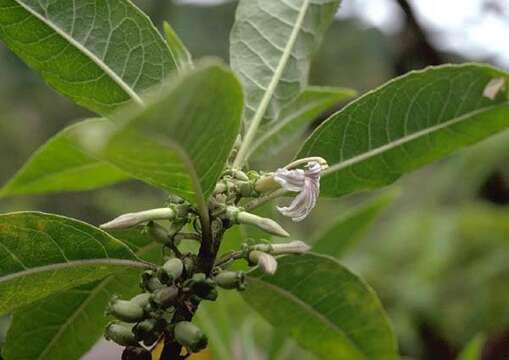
<point>181,140</point>
<point>100,54</point>
<point>181,55</point>
<point>295,117</point>
<point>66,325</point>
<point>271,47</point>
<point>327,309</point>
<point>60,165</point>
<point>407,123</point>
<point>350,227</point>
<point>43,254</point>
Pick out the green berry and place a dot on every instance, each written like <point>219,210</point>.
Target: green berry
<point>165,297</point>
<point>125,310</point>
<point>120,334</point>
<point>230,280</point>
<point>190,336</point>
<point>171,270</point>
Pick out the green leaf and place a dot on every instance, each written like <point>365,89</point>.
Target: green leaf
<point>181,55</point>
<point>340,236</point>
<point>98,53</point>
<point>271,47</point>
<point>42,254</point>
<point>326,308</point>
<point>68,324</point>
<point>296,117</point>
<point>181,140</point>
<point>61,165</point>
<point>407,123</point>
<point>473,350</point>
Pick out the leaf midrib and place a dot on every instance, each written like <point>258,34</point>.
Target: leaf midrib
<point>308,308</point>
<point>408,138</point>
<point>73,263</point>
<point>243,153</point>
<point>116,78</point>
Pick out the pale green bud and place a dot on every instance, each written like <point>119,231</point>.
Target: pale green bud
<point>132,219</point>
<point>266,262</point>
<point>266,224</point>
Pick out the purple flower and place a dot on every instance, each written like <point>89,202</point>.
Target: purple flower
<point>306,183</point>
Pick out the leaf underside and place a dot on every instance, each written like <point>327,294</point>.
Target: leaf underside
<point>260,39</point>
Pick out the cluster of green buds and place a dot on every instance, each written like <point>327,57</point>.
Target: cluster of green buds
<point>141,321</point>
<point>172,292</point>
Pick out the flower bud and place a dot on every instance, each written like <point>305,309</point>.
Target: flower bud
<point>136,353</point>
<point>266,224</point>
<point>120,334</point>
<point>126,311</point>
<point>171,270</point>
<point>296,247</point>
<point>165,296</point>
<point>132,219</point>
<point>266,262</point>
<point>231,280</point>
<point>190,336</point>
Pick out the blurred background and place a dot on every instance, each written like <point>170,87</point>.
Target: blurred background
<point>437,254</point>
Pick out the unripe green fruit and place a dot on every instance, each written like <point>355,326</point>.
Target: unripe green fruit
<point>230,280</point>
<point>171,270</point>
<point>188,265</point>
<point>166,296</point>
<point>142,300</point>
<point>190,336</point>
<point>149,281</point>
<point>148,331</point>
<point>136,353</point>
<point>203,287</point>
<point>120,334</point>
<point>125,310</point>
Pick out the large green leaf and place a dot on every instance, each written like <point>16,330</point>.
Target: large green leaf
<point>407,123</point>
<point>66,325</point>
<point>61,165</point>
<point>271,47</point>
<point>340,236</point>
<point>181,140</point>
<point>295,117</point>
<point>326,308</point>
<point>42,254</point>
<point>99,53</point>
